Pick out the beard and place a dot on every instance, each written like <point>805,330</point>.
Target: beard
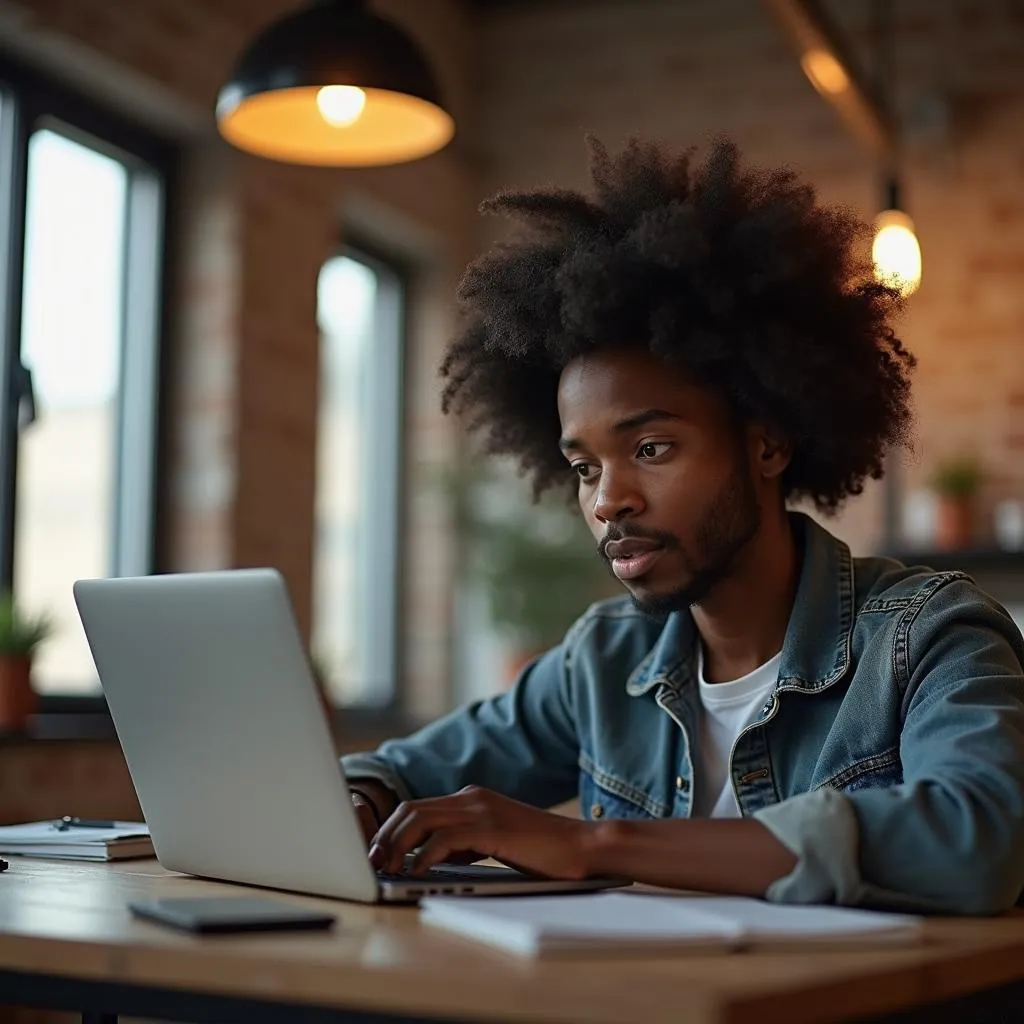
<point>728,524</point>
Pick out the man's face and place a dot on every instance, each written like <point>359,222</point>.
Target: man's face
<point>666,483</point>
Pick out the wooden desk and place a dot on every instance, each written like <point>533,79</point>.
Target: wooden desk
<point>67,941</point>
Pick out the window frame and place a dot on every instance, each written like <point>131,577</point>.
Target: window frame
<point>32,101</point>
<point>396,276</point>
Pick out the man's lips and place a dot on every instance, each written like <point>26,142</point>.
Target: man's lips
<point>628,547</point>
<point>632,556</point>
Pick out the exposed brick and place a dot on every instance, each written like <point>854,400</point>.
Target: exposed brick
<point>242,392</point>
<point>999,263</point>
<point>726,67</point>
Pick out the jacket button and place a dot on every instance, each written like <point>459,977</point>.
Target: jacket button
<point>682,784</point>
<point>597,811</point>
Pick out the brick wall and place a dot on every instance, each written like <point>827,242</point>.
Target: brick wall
<point>682,72</point>
<point>252,236</point>
<point>201,384</point>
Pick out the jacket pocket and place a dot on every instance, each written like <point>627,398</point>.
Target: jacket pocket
<point>879,771</point>
<point>604,796</point>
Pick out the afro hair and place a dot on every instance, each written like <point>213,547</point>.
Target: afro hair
<point>735,275</point>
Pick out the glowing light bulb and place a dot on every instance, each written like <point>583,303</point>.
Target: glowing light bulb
<point>340,105</point>
<point>827,75</point>
<point>896,253</point>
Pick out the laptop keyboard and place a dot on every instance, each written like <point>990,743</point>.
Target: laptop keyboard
<point>452,873</point>
<point>433,875</point>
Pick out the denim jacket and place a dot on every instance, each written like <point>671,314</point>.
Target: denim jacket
<point>889,759</point>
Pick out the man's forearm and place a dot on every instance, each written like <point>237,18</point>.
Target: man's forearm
<point>730,856</point>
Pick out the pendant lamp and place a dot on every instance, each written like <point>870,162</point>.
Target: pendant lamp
<point>895,251</point>
<point>334,85</point>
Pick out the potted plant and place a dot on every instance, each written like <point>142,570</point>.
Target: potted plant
<point>20,635</point>
<point>535,561</point>
<point>956,481</point>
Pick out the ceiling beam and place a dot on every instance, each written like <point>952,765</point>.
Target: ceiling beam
<point>828,62</point>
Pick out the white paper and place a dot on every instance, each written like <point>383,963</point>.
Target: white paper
<point>43,833</point>
<point>759,919</point>
<point>535,924</point>
<point>604,915</point>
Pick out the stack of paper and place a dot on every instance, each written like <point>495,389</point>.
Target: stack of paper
<point>123,839</point>
<point>638,921</point>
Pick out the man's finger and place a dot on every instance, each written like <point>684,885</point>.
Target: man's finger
<point>382,837</point>
<point>446,844</point>
<point>367,819</point>
<point>403,810</point>
<point>417,827</point>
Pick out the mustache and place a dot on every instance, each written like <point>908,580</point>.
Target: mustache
<point>616,533</point>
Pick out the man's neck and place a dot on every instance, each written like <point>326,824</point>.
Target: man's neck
<point>743,621</point>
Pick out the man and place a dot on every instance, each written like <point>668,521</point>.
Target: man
<point>690,349</point>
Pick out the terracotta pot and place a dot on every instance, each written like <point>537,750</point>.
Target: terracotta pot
<point>17,698</point>
<point>954,523</point>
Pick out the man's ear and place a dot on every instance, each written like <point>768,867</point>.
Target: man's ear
<point>774,451</point>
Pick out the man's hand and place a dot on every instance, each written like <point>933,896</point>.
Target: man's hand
<point>481,823</point>
<point>367,817</point>
<point>739,856</point>
<point>373,802</point>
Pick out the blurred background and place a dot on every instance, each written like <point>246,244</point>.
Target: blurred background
<point>211,359</point>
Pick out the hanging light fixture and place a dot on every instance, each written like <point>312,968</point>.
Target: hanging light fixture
<point>895,251</point>
<point>334,85</point>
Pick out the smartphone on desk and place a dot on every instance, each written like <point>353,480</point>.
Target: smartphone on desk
<point>224,915</point>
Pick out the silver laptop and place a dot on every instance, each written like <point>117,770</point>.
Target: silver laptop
<point>214,703</point>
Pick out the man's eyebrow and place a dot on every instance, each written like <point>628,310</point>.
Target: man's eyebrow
<point>639,419</point>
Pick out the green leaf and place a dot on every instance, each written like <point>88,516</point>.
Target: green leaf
<point>21,634</point>
<point>958,477</point>
<point>536,561</point>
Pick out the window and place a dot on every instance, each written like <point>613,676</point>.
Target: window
<point>81,228</point>
<point>359,301</point>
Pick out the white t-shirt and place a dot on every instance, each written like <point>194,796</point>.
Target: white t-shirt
<point>726,710</point>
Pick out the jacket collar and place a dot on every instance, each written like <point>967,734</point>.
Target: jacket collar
<point>816,651</point>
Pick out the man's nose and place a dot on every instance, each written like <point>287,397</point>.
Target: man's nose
<point>617,499</point>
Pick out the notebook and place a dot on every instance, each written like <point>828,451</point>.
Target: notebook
<point>642,922</point>
<point>40,839</point>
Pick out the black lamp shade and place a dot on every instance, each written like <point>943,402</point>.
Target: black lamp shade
<point>274,105</point>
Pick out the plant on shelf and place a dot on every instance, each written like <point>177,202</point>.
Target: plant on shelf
<point>535,562</point>
<point>20,636</point>
<point>956,482</point>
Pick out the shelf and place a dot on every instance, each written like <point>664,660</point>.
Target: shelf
<point>970,560</point>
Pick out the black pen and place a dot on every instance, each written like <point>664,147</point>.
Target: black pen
<point>70,822</point>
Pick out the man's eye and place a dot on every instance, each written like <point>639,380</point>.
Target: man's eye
<point>582,470</point>
<point>652,449</point>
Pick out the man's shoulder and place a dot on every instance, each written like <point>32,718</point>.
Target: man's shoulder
<point>940,622</point>
<point>887,585</point>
